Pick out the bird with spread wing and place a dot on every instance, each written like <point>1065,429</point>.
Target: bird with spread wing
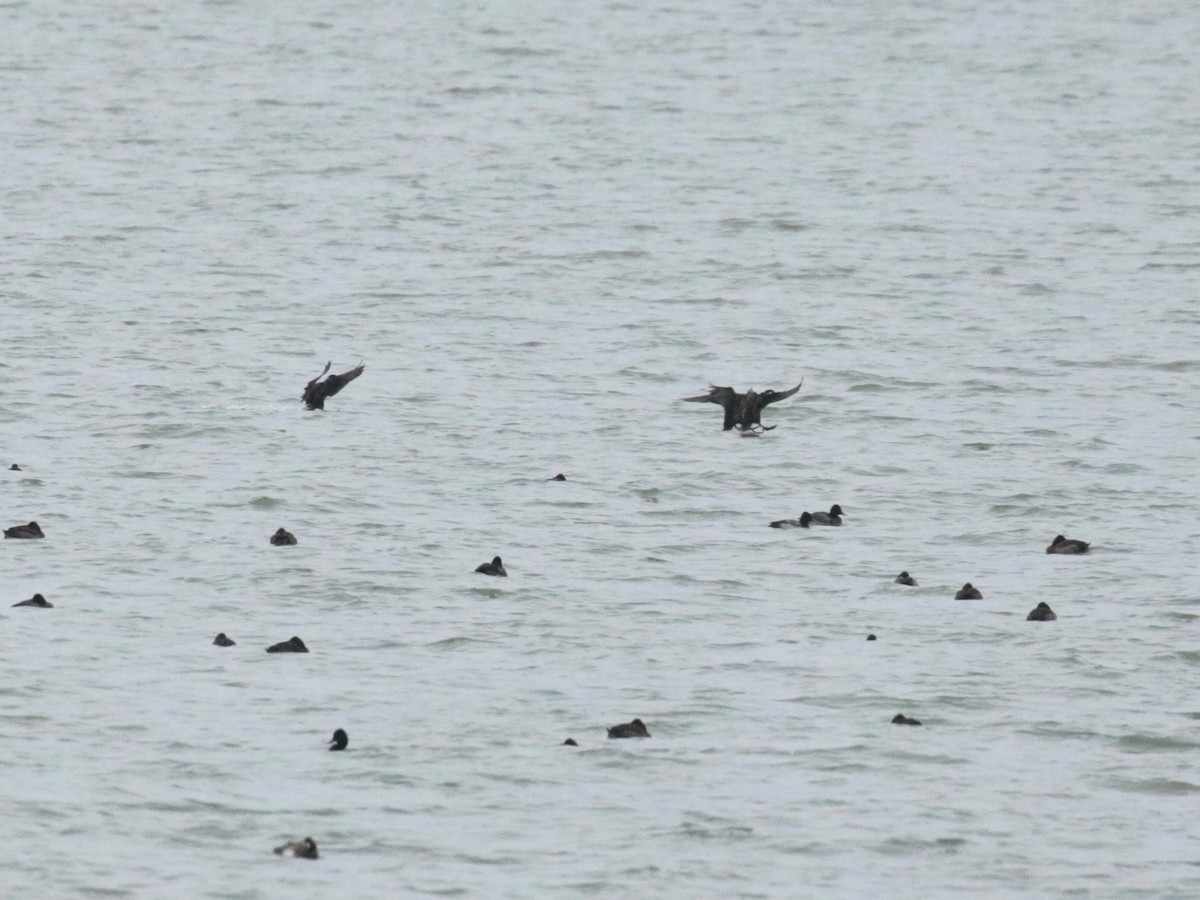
<point>743,411</point>
<point>317,391</point>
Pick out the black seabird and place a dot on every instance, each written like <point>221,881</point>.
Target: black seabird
<point>636,728</point>
<point>743,411</point>
<point>340,740</point>
<point>1061,544</point>
<point>902,719</point>
<point>905,578</point>
<point>495,567</point>
<point>968,592</point>
<point>295,645</point>
<point>283,538</point>
<point>36,600</point>
<point>314,394</point>
<point>221,640</point>
<point>1042,613</point>
<point>305,849</point>
<point>30,531</point>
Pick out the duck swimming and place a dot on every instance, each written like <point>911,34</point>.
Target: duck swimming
<point>636,728</point>
<point>283,538</point>
<point>305,849</point>
<point>222,641</point>
<point>902,719</point>
<point>36,600</point>
<point>968,592</point>
<point>295,645</point>
<point>570,742</point>
<point>315,394</point>
<point>559,477</point>
<point>803,522</point>
<point>743,411</point>
<point>14,468</point>
<point>495,567</point>
<point>1042,613</point>
<point>833,517</point>
<point>1061,544</point>
<point>340,740</point>
<point>24,531</point>
<point>905,578</point>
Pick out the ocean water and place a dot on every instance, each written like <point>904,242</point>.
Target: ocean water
<point>970,229</point>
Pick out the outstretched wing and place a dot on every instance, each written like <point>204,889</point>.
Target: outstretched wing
<point>722,396</point>
<point>768,397</point>
<point>335,383</point>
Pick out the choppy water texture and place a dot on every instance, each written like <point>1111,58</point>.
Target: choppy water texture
<point>970,228</point>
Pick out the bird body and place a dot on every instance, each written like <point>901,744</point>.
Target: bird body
<point>1064,545</point>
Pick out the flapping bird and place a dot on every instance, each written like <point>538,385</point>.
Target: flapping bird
<point>743,411</point>
<point>317,391</point>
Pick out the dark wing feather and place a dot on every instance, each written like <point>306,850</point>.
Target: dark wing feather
<point>768,397</point>
<point>722,396</point>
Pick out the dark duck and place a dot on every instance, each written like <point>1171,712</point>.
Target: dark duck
<point>295,645</point>
<point>340,741</point>
<point>833,517</point>
<point>495,567</point>
<point>30,531</point>
<point>305,849</point>
<point>1064,545</point>
<point>743,411</point>
<point>318,391</point>
<point>36,600</point>
<point>1042,613</point>
<point>283,538</point>
<point>636,728</point>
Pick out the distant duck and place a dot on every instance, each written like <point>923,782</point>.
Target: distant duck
<point>902,719</point>
<point>803,522</point>
<point>559,477</point>
<point>36,600</point>
<point>305,849</point>
<point>495,567</point>
<point>905,578</point>
<point>315,394</point>
<point>295,645</point>
<point>636,728</point>
<point>570,742</point>
<point>1041,613</point>
<point>222,641</point>
<point>871,637</point>
<point>743,411</point>
<point>968,592</point>
<point>340,740</point>
<point>283,538</point>
<point>1064,545</point>
<point>14,468</point>
<point>24,531</point>
<point>833,517</point>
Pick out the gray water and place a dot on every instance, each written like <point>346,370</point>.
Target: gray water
<point>970,228</point>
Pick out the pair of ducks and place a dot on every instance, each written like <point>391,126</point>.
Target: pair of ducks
<point>833,517</point>
<point>294,645</point>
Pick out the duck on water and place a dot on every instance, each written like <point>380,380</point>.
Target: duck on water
<point>833,517</point>
<point>24,532</point>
